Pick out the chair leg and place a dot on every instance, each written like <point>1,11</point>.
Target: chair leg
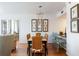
<point>38,54</point>
<point>27,50</point>
<point>32,54</point>
<point>47,51</point>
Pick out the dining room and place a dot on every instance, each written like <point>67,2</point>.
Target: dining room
<point>39,29</point>
<point>37,21</point>
<point>43,22</point>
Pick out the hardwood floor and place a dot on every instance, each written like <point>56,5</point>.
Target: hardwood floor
<point>21,50</point>
<point>52,51</point>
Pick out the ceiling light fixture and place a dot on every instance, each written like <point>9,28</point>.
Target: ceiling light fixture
<point>40,13</point>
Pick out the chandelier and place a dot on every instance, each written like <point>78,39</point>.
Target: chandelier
<point>40,13</point>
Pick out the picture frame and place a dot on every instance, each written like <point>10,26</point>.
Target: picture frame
<point>34,25</point>
<point>75,26</point>
<point>74,11</point>
<point>39,25</point>
<point>45,25</point>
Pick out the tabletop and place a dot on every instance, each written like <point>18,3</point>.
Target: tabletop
<point>42,39</point>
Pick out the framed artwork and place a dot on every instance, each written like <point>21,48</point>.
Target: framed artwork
<point>74,11</point>
<point>75,26</point>
<point>39,25</point>
<point>45,25</point>
<point>34,25</point>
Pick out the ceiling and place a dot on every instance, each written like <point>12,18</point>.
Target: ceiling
<point>30,7</point>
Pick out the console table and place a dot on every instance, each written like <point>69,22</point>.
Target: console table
<point>61,42</point>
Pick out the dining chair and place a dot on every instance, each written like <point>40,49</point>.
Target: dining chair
<point>37,48</point>
<point>28,36</point>
<point>46,36</point>
<point>38,34</point>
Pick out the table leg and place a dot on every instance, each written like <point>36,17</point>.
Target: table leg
<point>29,48</point>
<point>45,48</point>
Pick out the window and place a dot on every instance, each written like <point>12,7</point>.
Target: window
<point>9,26</point>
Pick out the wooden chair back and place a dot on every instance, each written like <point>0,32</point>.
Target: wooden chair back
<point>36,42</point>
<point>28,36</point>
<point>38,34</point>
<point>46,36</point>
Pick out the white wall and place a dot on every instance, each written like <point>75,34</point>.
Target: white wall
<point>25,26</point>
<point>72,38</point>
<point>0,27</point>
<point>55,24</point>
<point>60,23</point>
